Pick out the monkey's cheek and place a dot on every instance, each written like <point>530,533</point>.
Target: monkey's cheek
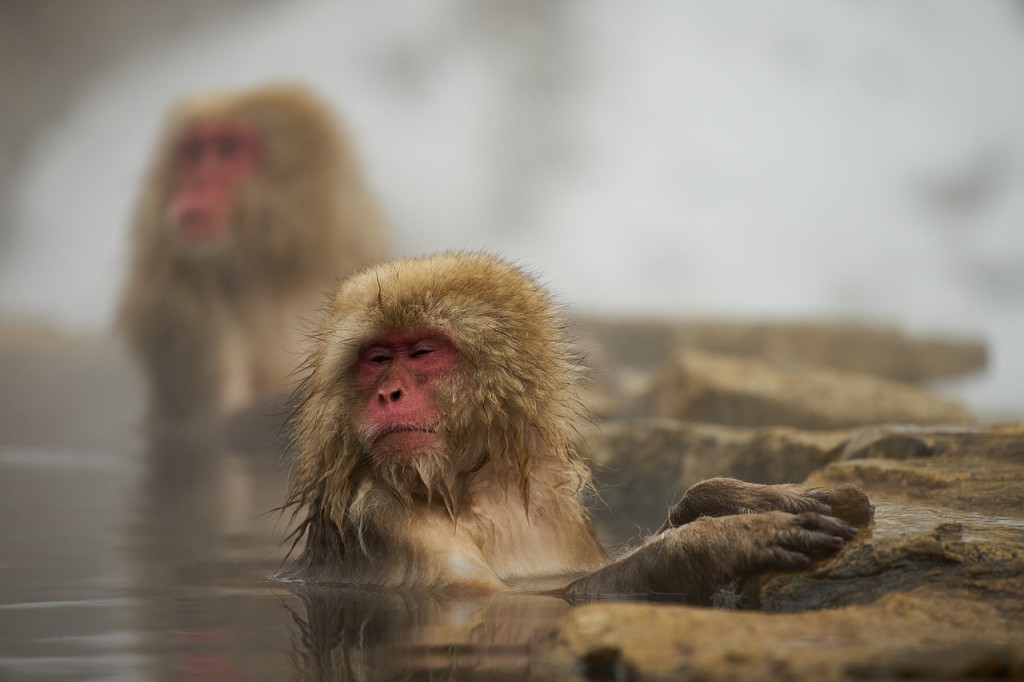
<point>406,445</point>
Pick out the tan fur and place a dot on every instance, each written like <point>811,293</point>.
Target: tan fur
<point>498,504</point>
<point>301,222</point>
<point>502,501</point>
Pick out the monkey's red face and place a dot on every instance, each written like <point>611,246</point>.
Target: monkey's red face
<point>210,162</point>
<point>397,378</point>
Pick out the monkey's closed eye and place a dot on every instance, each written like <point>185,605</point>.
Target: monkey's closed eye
<point>378,357</point>
<point>425,347</point>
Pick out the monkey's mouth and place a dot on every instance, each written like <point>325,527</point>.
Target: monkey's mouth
<point>377,434</point>
<point>391,430</point>
<point>404,442</point>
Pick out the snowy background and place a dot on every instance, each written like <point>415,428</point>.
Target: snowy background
<point>817,159</point>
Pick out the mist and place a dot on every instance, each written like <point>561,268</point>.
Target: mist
<point>803,161</point>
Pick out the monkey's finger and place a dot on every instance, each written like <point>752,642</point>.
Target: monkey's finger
<point>798,505</point>
<point>781,559</point>
<point>813,543</point>
<point>820,494</point>
<point>826,524</point>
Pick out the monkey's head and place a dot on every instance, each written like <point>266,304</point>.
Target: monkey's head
<point>432,371</point>
<point>238,173</point>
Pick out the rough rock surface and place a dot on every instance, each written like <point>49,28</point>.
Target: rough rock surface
<point>645,465</point>
<point>923,634</point>
<point>876,350</point>
<point>933,589</point>
<point>722,389</point>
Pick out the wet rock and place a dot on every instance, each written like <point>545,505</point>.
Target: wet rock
<point>863,348</point>
<point>974,469</point>
<point>909,546</point>
<point>917,635</point>
<point>932,589</point>
<point>722,389</point>
<point>645,465</point>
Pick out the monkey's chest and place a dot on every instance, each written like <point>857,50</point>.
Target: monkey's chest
<point>257,358</point>
<point>517,545</point>
<point>237,386</point>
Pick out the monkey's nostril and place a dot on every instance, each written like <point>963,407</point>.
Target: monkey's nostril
<point>395,395</point>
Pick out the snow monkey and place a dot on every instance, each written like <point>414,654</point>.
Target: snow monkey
<point>254,206</point>
<point>434,450</point>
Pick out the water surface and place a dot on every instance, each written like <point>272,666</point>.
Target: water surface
<point>122,559</point>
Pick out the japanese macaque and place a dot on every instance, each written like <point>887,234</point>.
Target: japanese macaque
<point>253,208</point>
<point>434,450</point>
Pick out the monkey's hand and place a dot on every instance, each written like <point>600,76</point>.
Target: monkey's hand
<point>696,560</point>
<point>773,541</point>
<point>727,496</point>
<point>847,502</point>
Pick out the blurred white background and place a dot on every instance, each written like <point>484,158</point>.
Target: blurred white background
<point>825,159</point>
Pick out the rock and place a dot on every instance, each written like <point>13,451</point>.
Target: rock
<point>932,589</point>
<point>972,470</point>
<point>908,547</point>
<point>920,634</point>
<point>645,465</point>
<point>722,389</point>
<point>876,350</point>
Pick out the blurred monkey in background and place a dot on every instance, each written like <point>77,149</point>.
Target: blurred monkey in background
<point>254,206</point>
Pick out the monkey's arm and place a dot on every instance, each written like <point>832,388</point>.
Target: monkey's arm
<point>727,496</point>
<point>175,337</point>
<point>695,560</point>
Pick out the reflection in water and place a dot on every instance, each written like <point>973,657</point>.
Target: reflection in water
<point>126,562</point>
<point>352,634</point>
<point>203,546</point>
<point>204,510</point>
